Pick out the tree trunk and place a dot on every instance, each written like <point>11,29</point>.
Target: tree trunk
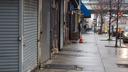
<point>101,26</point>
<point>110,17</point>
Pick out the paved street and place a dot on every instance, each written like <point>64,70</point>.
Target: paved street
<point>94,55</point>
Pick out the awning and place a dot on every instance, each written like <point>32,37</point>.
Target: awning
<point>85,11</point>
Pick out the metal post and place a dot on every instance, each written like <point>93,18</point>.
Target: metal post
<point>61,23</point>
<point>110,19</point>
<point>21,8</point>
<point>116,44</point>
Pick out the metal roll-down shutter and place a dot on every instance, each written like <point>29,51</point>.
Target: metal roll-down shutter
<point>9,33</point>
<point>30,35</point>
<point>45,31</point>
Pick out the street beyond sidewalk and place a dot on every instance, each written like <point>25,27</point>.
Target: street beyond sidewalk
<point>94,55</point>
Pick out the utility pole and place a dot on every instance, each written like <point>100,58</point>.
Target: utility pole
<point>110,17</point>
<point>116,44</point>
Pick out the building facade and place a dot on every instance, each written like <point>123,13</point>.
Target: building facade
<point>30,30</point>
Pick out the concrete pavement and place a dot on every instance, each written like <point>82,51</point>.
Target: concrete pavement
<point>94,55</point>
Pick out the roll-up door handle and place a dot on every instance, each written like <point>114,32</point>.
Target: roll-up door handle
<point>40,36</point>
<point>41,32</point>
<point>19,38</point>
<point>24,45</point>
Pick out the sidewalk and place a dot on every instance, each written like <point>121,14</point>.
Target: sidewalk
<point>90,56</point>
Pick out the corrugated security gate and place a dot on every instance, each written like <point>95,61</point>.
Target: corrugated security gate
<point>45,31</point>
<point>55,24</point>
<point>30,35</point>
<point>9,28</point>
<point>12,57</point>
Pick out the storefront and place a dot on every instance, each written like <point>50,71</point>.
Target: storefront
<point>18,39</point>
<point>56,25</point>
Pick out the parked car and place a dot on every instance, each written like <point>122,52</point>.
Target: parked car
<point>119,31</point>
<point>125,35</point>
